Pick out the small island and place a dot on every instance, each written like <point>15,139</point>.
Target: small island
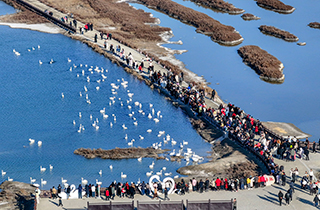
<point>275,5</point>
<point>273,31</point>
<point>120,153</point>
<point>267,66</point>
<point>248,16</point>
<point>219,5</point>
<point>222,34</point>
<point>314,25</point>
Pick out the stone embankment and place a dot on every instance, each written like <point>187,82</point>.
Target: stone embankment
<point>273,31</point>
<point>248,16</point>
<point>314,25</point>
<point>220,5</point>
<point>276,5</point>
<point>17,195</point>
<point>119,153</point>
<point>218,32</point>
<point>267,66</point>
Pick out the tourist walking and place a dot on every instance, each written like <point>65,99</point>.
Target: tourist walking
<point>287,197</point>
<point>68,192</point>
<point>37,192</point>
<point>166,194</point>
<point>60,202</point>
<point>80,191</point>
<point>54,193</point>
<point>93,189</point>
<point>316,200</point>
<point>107,194</point>
<point>280,196</point>
<point>95,38</point>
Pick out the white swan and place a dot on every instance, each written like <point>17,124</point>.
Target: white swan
<point>98,183</point>
<point>31,141</point>
<point>135,123</point>
<point>168,174</point>
<point>43,182</point>
<point>185,142</point>
<point>159,173</point>
<point>164,168</point>
<point>124,127</point>
<point>3,173</point>
<point>39,143</point>
<point>100,172</point>
<point>40,62</point>
<point>141,137</point>
<point>111,167</point>
<point>62,95</point>
<point>69,60</point>
<point>149,116</point>
<point>32,180</point>
<point>131,142</point>
<point>10,180</point>
<point>151,105</point>
<point>149,130</point>
<point>156,120</point>
<point>173,152</point>
<point>51,167</point>
<point>139,159</point>
<point>63,181</point>
<point>51,61</point>
<point>151,166</point>
<point>84,181</point>
<point>80,115</point>
<point>42,169</point>
<point>123,176</point>
<point>149,173</point>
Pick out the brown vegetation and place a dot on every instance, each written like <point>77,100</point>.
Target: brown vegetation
<point>266,65</point>
<point>314,25</point>
<point>118,153</point>
<point>276,6</point>
<point>219,5</point>
<point>218,32</point>
<point>248,16</point>
<point>273,31</point>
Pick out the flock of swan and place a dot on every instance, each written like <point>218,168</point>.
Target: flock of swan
<point>94,78</point>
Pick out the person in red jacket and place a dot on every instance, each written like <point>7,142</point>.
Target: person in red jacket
<point>218,183</point>
<point>107,194</point>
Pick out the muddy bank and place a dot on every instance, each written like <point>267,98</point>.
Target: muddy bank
<point>17,195</point>
<point>314,25</point>
<point>118,153</point>
<point>267,66</point>
<point>206,130</point>
<point>248,16</point>
<point>273,31</point>
<point>219,5</point>
<point>228,160</point>
<point>275,5</point>
<point>218,32</point>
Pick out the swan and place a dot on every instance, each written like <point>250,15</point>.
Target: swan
<point>152,111</point>
<point>111,167</point>
<point>158,113</point>
<point>149,173</point>
<point>135,123</point>
<point>17,53</point>
<point>84,181</point>
<point>176,177</point>
<point>185,142</point>
<point>168,174</point>
<point>129,107</point>
<point>39,143</point>
<point>74,122</point>
<point>130,94</point>
<point>97,88</point>
<point>98,183</point>
<point>31,141</point>
<point>51,167</point>
<point>51,61</point>
<point>42,169</point>
<point>69,60</point>
<point>173,142</point>
<point>123,176</point>
<point>80,94</point>
<point>159,173</point>
<point>164,168</point>
<point>43,182</point>
<point>10,180</point>
<point>40,62</point>
<point>80,115</point>
<point>32,180</point>
<point>141,137</point>
<point>151,105</point>
<point>136,103</point>
<point>38,46</point>
<point>173,152</point>
<point>100,172</point>
<point>131,142</point>
<point>124,127</point>
<point>62,95</point>
<point>139,159</point>
<point>151,166</point>
<point>105,116</point>
<point>149,116</point>
<point>156,120</point>
<point>149,130</point>
<point>33,48</point>
<point>111,124</point>
<point>126,137</point>
<point>85,88</point>
<point>63,181</point>
<point>3,173</point>
<point>103,76</point>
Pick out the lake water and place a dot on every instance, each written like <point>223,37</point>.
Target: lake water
<point>32,107</point>
<point>296,100</point>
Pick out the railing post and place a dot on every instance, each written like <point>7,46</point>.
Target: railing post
<point>110,205</point>
<point>209,205</point>
<point>182,205</point>
<point>88,205</point>
<point>159,204</point>
<point>137,205</point>
<point>187,204</point>
<point>133,204</point>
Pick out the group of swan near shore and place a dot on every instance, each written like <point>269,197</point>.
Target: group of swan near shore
<point>85,70</point>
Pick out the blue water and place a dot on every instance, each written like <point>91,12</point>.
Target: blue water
<point>296,100</point>
<point>32,107</point>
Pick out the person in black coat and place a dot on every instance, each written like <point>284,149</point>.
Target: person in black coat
<point>280,196</point>
<point>287,197</point>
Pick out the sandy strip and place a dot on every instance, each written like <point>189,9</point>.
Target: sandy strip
<point>42,27</point>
